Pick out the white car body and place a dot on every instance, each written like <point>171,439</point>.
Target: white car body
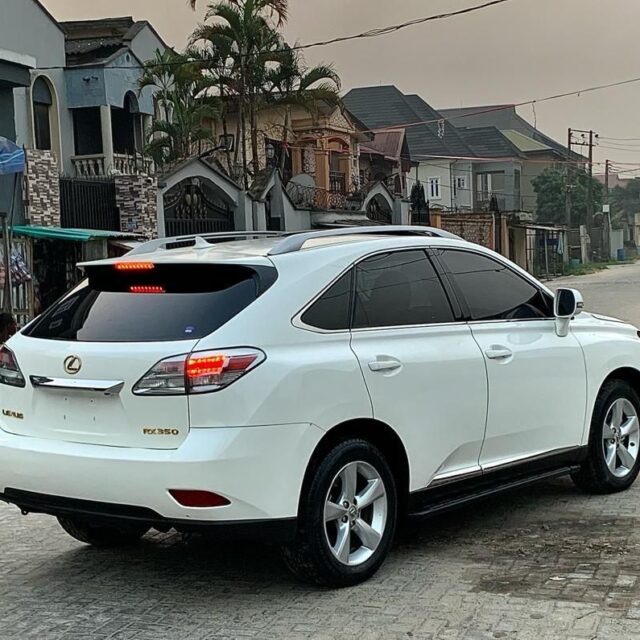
<point>458,405</point>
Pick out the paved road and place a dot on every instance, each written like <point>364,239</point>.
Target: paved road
<point>547,563</point>
<point>615,291</point>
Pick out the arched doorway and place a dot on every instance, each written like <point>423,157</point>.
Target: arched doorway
<point>45,115</point>
<point>195,206</point>
<point>127,126</point>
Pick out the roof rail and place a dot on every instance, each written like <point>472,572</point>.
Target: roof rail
<point>201,240</point>
<point>295,242</point>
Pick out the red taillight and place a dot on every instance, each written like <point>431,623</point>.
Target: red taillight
<point>134,266</point>
<point>198,372</point>
<point>205,365</point>
<point>146,288</point>
<point>9,370</point>
<point>198,499</point>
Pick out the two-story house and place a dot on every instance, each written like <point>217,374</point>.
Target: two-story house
<point>468,160</point>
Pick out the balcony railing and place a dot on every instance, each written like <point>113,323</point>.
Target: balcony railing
<point>315,198</point>
<point>337,182</point>
<point>95,165</point>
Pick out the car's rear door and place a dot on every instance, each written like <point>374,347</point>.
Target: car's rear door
<point>537,380</point>
<point>423,369</point>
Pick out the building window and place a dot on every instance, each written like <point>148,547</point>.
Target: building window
<point>459,184</point>
<point>434,188</point>
<point>42,103</point>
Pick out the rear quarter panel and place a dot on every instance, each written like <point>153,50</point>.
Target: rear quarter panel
<point>307,377</point>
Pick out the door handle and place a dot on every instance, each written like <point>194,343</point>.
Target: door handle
<point>385,364</point>
<point>497,352</point>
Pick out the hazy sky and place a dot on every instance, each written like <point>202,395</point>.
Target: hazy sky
<point>520,50</point>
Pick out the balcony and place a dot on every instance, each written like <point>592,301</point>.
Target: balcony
<point>88,166</point>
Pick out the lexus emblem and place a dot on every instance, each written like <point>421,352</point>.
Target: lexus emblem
<point>72,364</point>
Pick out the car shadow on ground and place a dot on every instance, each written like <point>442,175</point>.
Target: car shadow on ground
<point>166,562</point>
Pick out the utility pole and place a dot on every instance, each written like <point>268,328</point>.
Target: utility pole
<point>567,195</point>
<point>606,181</point>
<point>590,186</point>
<point>588,140</point>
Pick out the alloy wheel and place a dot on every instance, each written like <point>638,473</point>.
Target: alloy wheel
<point>355,513</point>
<point>620,437</point>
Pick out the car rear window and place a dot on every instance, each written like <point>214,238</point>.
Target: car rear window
<point>162,303</point>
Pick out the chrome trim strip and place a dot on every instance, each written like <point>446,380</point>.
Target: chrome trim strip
<point>454,476</point>
<point>477,471</point>
<point>108,387</point>
<point>514,460</point>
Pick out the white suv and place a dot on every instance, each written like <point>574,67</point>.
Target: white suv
<point>309,389</point>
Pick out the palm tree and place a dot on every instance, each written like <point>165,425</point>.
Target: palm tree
<point>296,85</point>
<point>243,29</point>
<point>182,93</point>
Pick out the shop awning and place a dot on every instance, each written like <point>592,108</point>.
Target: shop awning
<point>72,235</point>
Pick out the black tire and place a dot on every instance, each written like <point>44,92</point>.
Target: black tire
<point>103,535</point>
<point>310,557</point>
<point>594,475</point>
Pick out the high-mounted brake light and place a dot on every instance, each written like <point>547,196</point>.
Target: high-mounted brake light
<point>199,372</point>
<point>10,373</point>
<point>146,288</point>
<point>134,266</point>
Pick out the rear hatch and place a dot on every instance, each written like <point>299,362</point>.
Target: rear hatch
<point>83,357</point>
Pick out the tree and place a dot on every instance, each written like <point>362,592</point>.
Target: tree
<point>184,105</point>
<point>246,30</point>
<point>550,187</point>
<point>292,84</point>
<point>625,202</point>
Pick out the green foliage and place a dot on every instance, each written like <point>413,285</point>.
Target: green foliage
<point>625,202</point>
<point>550,187</point>
<point>240,48</point>
<point>184,106</point>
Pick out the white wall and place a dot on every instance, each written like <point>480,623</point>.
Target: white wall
<point>145,44</point>
<point>436,168</point>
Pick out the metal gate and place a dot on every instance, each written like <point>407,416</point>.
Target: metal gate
<point>89,203</point>
<point>193,208</point>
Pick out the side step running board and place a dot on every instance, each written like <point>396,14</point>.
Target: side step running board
<point>447,503</point>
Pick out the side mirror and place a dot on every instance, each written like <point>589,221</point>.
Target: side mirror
<point>567,303</point>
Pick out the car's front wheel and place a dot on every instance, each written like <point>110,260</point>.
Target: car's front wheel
<point>613,460</point>
<point>347,517</point>
<point>102,535</point>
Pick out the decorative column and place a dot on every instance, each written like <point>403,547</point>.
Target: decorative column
<point>107,138</point>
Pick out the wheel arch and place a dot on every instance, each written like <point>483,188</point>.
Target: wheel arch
<point>379,434</point>
<point>628,374</point>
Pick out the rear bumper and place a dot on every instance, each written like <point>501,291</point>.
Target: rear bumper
<point>259,469</point>
<point>276,530</point>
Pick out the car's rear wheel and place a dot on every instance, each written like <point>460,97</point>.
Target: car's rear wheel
<point>613,460</point>
<point>347,517</point>
<point>102,535</point>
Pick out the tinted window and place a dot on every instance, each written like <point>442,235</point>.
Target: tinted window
<point>192,301</point>
<point>493,291</point>
<point>400,288</point>
<point>331,309</point>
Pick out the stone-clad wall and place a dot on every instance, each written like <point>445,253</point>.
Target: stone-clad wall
<point>136,200</point>
<point>42,189</point>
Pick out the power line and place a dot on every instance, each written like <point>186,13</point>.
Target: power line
<point>374,33</point>
<point>371,33</point>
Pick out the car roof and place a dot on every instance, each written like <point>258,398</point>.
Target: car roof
<point>225,248</point>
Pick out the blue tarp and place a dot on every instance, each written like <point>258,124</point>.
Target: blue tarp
<point>12,159</point>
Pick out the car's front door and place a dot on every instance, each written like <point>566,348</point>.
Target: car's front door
<point>537,380</point>
<point>423,369</point>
